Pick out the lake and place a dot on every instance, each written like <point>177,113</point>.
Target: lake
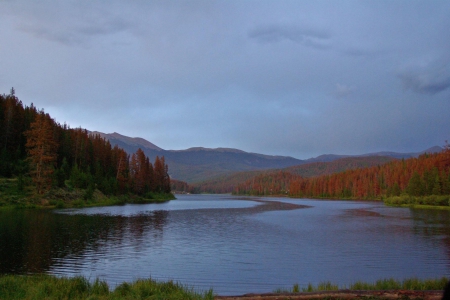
<point>234,245</point>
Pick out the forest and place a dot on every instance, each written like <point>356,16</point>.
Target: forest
<point>422,180</point>
<point>43,155</point>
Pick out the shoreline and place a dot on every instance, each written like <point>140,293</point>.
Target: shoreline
<point>382,200</point>
<point>341,294</point>
<point>80,287</point>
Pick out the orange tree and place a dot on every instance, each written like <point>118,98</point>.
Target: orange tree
<point>41,148</point>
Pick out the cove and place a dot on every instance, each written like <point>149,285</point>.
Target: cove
<point>234,245</point>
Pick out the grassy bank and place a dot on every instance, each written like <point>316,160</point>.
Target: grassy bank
<point>50,287</point>
<point>431,201</point>
<point>13,195</point>
<point>411,284</point>
<point>428,202</point>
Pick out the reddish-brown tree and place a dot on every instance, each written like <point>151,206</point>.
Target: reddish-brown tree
<point>41,147</point>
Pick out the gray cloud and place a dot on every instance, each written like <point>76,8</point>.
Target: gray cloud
<point>277,33</point>
<point>72,35</point>
<point>426,82</point>
<point>235,73</point>
<point>63,37</point>
<point>68,23</point>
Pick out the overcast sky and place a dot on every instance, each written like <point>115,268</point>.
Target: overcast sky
<point>297,78</point>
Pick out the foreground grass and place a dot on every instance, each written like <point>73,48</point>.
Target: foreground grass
<point>411,284</point>
<point>51,287</point>
<point>13,197</point>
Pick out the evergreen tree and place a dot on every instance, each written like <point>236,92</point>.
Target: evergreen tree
<point>415,185</point>
<point>41,151</point>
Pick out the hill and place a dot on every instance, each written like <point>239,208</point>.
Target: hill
<point>226,184</point>
<point>221,168</point>
<point>197,164</point>
<point>338,165</point>
<point>415,181</point>
<point>398,155</point>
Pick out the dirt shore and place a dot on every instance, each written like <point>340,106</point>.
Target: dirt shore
<point>344,294</point>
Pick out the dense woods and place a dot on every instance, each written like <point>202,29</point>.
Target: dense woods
<point>33,145</point>
<point>273,183</point>
<point>178,186</point>
<point>425,175</point>
<point>429,174</point>
<point>242,180</point>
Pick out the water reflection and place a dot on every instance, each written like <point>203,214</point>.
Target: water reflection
<point>434,226</point>
<point>32,241</point>
<point>234,246</point>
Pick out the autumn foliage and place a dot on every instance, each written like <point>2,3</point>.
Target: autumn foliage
<point>41,147</point>
<point>428,174</point>
<point>266,184</point>
<point>425,175</point>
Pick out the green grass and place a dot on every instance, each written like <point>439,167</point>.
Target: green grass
<point>411,284</point>
<point>50,287</point>
<point>430,201</point>
<point>11,196</point>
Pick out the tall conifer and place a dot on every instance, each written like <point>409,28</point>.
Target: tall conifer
<point>41,148</point>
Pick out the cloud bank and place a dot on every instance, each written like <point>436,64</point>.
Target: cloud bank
<point>298,78</point>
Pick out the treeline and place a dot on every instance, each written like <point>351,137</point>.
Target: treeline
<point>267,184</point>
<point>227,183</point>
<point>428,174</point>
<point>178,186</point>
<point>223,184</point>
<point>339,165</point>
<point>54,155</point>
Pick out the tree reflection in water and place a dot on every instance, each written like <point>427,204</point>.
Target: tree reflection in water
<point>432,224</point>
<point>33,240</point>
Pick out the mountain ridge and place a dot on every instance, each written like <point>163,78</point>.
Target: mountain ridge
<point>196,164</point>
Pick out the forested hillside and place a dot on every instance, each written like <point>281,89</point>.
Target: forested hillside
<point>270,184</point>
<point>426,175</point>
<point>326,168</point>
<point>228,183</point>
<point>45,154</point>
<point>429,174</point>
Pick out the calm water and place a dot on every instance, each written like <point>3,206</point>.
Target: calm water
<point>233,245</point>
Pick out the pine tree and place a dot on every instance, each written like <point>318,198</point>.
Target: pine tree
<point>41,148</point>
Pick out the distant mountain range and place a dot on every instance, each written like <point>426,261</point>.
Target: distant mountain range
<point>332,157</point>
<point>198,164</point>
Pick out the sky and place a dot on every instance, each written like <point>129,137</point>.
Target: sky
<point>295,78</point>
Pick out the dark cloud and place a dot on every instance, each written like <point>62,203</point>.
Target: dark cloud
<point>425,83</point>
<point>277,33</point>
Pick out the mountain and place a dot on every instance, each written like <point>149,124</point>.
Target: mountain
<point>227,183</point>
<point>398,155</point>
<point>330,164</point>
<point>197,164</point>
<point>126,142</point>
